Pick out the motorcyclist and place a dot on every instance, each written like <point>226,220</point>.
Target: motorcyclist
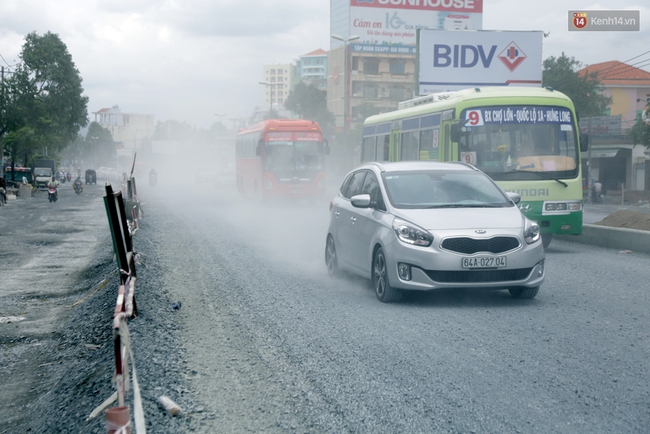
<point>596,190</point>
<point>153,177</point>
<point>53,183</point>
<point>78,185</point>
<point>3,191</point>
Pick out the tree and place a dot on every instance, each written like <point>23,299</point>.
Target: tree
<point>640,132</point>
<point>18,143</point>
<point>584,89</point>
<point>310,103</point>
<point>44,94</point>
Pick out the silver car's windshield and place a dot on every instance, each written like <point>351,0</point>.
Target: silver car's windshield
<point>438,189</point>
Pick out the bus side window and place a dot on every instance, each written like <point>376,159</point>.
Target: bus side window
<point>410,146</point>
<point>383,148</point>
<point>428,144</point>
<point>368,151</point>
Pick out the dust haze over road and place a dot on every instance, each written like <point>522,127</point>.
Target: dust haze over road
<point>265,341</point>
<point>275,343</point>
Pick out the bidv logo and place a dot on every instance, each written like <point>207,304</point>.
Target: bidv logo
<point>512,56</point>
<point>468,56</point>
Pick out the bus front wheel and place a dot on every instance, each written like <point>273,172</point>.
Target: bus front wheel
<point>546,240</point>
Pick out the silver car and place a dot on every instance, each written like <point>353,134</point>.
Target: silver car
<point>427,225</point>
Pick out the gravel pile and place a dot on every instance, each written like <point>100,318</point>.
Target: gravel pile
<point>82,366</point>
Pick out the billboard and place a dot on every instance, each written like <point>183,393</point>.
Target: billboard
<point>453,60</point>
<point>394,22</point>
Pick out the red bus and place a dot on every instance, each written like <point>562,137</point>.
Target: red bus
<point>281,158</point>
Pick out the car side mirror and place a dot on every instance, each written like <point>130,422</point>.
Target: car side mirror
<point>258,150</point>
<point>515,197</point>
<point>584,142</point>
<point>361,201</point>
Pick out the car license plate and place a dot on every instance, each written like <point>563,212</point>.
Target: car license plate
<point>485,262</point>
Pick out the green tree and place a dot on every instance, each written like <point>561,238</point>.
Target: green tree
<point>45,95</point>
<point>561,74</point>
<point>19,143</point>
<point>99,146</point>
<point>640,132</point>
<point>173,130</point>
<point>272,114</point>
<point>310,103</point>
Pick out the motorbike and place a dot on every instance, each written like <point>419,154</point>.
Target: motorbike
<point>596,197</point>
<point>78,187</point>
<point>52,194</point>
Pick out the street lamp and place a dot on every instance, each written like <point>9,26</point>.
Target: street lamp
<point>346,87</point>
<point>221,125</point>
<point>220,116</point>
<point>271,94</point>
<point>93,141</point>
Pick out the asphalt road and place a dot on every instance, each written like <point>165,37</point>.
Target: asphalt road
<point>275,342</point>
<point>267,342</point>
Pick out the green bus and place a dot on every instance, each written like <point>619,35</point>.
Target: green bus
<point>526,139</point>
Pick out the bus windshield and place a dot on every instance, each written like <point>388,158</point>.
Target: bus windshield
<point>293,158</point>
<point>511,142</point>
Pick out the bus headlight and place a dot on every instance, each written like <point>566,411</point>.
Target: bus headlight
<point>531,231</point>
<point>562,207</point>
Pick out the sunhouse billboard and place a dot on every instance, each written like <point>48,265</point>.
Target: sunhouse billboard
<point>389,26</point>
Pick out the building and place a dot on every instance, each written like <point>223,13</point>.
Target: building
<point>127,129</point>
<point>371,62</point>
<point>312,68</point>
<point>278,82</point>
<point>612,158</point>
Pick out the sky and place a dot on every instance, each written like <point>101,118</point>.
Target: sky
<point>197,60</point>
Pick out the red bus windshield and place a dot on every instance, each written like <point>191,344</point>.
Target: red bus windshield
<point>281,158</point>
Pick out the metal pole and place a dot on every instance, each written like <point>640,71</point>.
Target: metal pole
<point>346,97</point>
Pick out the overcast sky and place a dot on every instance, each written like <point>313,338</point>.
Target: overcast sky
<point>190,60</point>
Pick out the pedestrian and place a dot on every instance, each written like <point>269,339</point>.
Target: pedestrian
<point>3,190</point>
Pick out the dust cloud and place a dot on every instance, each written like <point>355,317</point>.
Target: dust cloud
<point>289,233</point>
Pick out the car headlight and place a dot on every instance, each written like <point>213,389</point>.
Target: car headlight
<point>411,234</point>
<point>531,231</point>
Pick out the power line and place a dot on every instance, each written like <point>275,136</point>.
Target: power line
<point>3,59</point>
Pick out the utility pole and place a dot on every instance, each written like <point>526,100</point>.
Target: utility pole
<point>346,87</point>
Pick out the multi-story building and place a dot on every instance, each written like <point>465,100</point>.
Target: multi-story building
<point>278,82</point>
<point>378,39</point>
<point>312,68</point>
<point>613,158</point>
<point>127,129</point>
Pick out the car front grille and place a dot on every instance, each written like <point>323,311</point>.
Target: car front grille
<point>470,246</point>
<point>477,276</point>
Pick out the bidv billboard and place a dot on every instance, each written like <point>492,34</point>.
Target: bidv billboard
<point>390,25</point>
<point>453,60</point>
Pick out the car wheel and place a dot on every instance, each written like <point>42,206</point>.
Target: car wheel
<point>524,293</point>
<point>546,240</point>
<point>380,281</point>
<point>331,260</point>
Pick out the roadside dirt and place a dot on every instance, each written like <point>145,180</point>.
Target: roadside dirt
<point>57,296</point>
<point>628,219</point>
